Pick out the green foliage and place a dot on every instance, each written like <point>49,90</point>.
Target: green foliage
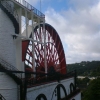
<point>93,90</point>
<point>83,81</point>
<point>89,69</point>
<point>85,68</point>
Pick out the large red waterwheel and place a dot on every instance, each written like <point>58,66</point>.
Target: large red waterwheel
<point>55,57</point>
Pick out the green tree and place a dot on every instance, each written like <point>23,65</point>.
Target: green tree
<point>93,91</point>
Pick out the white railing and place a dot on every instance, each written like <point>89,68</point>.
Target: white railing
<point>10,9</point>
<point>30,7</point>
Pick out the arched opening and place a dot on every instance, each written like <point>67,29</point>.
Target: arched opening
<point>72,87</point>
<point>41,97</point>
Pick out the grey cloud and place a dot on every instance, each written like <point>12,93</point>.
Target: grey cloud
<point>83,4</point>
<point>80,30</point>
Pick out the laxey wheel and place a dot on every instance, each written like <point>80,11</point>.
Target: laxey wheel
<point>55,57</point>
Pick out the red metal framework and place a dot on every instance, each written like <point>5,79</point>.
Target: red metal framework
<point>55,56</point>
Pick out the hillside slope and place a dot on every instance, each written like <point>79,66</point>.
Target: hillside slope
<point>85,68</point>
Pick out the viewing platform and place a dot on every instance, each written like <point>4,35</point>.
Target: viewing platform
<point>26,7</point>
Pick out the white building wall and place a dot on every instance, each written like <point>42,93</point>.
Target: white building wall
<point>67,84</point>
<point>7,46</point>
<point>48,90</point>
<point>8,87</point>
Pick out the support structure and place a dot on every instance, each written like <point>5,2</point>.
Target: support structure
<point>25,13</point>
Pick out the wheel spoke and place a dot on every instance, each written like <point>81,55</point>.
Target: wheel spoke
<point>54,50</point>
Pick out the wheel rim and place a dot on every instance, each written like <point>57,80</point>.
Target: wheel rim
<point>54,50</point>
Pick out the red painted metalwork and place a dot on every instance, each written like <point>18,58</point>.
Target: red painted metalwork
<point>54,50</point>
<point>24,49</point>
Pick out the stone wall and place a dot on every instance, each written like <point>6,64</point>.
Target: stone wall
<point>7,45</point>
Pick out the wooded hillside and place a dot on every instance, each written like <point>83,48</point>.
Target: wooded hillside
<point>85,68</point>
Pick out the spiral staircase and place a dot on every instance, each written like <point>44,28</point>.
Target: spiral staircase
<point>5,66</point>
<point>15,75</point>
<point>12,14</point>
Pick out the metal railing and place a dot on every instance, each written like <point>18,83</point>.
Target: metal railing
<point>45,78</point>
<point>30,7</point>
<point>9,67</point>
<point>1,97</point>
<point>10,9</point>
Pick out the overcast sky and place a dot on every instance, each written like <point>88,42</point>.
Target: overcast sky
<point>78,24</point>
